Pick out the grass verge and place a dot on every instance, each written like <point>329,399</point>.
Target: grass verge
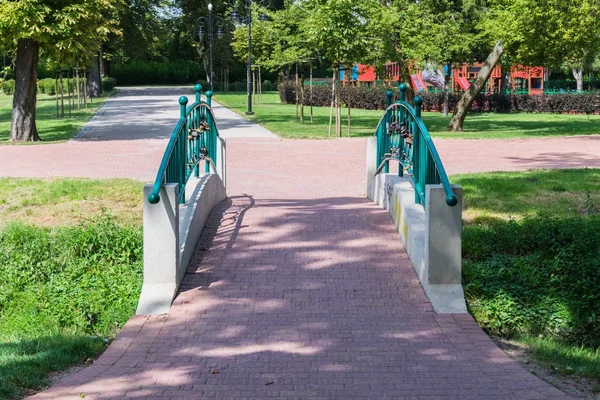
<point>50,128</point>
<point>281,120</point>
<point>55,202</point>
<point>531,270</point>
<point>66,289</point>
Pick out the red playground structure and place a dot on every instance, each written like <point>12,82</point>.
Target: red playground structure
<point>523,79</point>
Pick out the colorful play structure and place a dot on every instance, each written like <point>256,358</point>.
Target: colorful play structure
<point>524,79</point>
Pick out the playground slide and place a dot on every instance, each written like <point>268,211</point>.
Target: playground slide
<point>463,83</point>
<point>417,83</point>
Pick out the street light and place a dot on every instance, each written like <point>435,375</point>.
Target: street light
<point>208,24</point>
<point>246,6</point>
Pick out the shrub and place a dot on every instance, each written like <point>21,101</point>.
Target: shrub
<point>8,87</point>
<point>539,276</point>
<point>84,278</point>
<point>373,98</point>
<point>108,84</point>
<point>47,86</point>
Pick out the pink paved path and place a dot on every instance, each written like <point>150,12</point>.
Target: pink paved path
<point>300,289</point>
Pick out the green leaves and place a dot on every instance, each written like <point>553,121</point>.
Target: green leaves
<point>69,32</point>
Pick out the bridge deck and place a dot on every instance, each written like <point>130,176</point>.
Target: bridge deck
<point>300,288</point>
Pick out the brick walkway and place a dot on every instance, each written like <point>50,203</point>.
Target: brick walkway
<point>300,289</point>
<point>300,299</point>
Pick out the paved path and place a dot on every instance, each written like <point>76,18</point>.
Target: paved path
<point>109,150</point>
<point>300,289</point>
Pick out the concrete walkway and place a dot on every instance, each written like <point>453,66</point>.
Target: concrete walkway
<point>300,289</point>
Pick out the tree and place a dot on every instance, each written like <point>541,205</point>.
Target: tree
<point>531,32</point>
<point>63,30</point>
<point>347,32</point>
<point>432,33</point>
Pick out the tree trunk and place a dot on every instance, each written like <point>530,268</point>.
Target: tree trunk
<point>446,91</point>
<point>101,64</point>
<point>94,83</point>
<point>297,91</point>
<point>463,106</point>
<point>23,126</point>
<point>578,74</point>
<point>302,99</point>
<point>505,80</point>
<point>405,77</point>
<point>332,101</point>
<point>104,64</point>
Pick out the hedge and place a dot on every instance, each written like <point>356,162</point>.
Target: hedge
<point>108,84</point>
<point>374,98</point>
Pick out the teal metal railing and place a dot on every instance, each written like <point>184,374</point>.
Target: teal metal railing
<point>193,140</point>
<point>403,137</point>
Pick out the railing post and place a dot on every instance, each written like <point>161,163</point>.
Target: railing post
<point>420,155</point>
<point>209,95</point>
<point>183,100</point>
<point>197,119</point>
<point>181,148</point>
<point>403,87</point>
<point>418,103</point>
<point>388,98</point>
<point>198,90</point>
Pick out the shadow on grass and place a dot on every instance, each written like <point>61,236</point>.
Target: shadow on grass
<point>517,125</point>
<point>26,363</point>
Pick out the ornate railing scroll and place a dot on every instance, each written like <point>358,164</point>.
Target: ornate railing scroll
<point>193,140</point>
<point>403,137</point>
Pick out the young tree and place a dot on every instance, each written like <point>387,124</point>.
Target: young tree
<point>59,29</point>
<point>347,32</point>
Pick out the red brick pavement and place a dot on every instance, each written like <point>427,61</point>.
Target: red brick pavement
<point>139,159</point>
<point>301,289</point>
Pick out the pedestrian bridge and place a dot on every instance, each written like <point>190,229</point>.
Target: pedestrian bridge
<point>297,287</point>
<point>423,204</point>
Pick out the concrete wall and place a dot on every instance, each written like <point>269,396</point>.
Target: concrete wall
<point>171,232</point>
<point>431,235</point>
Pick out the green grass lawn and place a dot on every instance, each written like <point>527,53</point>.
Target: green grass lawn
<point>50,129</point>
<point>71,257</point>
<point>505,195</point>
<point>531,270</point>
<point>281,120</point>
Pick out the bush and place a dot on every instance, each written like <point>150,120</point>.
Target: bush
<point>47,86</point>
<point>539,276</point>
<point>108,84</point>
<point>8,87</point>
<point>373,98</point>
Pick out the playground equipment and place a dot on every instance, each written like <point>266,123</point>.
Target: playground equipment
<point>524,80</point>
<point>360,74</point>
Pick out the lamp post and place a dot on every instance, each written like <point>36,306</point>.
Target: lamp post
<point>246,5</point>
<point>205,24</point>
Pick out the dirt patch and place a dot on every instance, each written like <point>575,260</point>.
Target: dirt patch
<point>575,386</point>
